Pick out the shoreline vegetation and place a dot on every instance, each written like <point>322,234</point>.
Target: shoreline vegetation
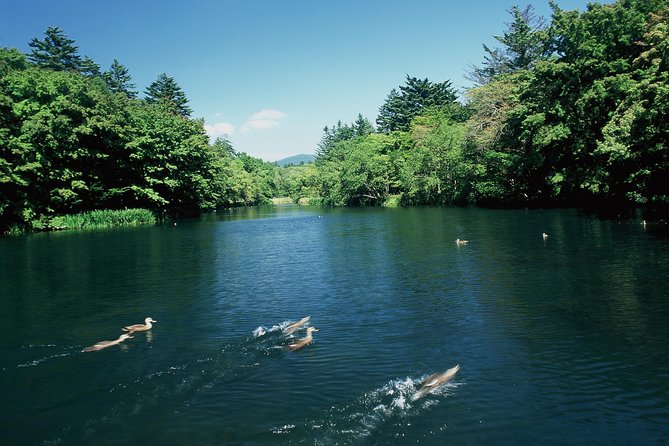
<point>97,219</point>
<point>106,218</point>
<point>301,201</point>
<point>570,111</point>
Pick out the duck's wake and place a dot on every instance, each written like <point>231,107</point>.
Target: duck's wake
<point>285,327</point>
<point>165,393</point>
<point>392,405</point>
<point>262,330</point>
<point>46,354</point>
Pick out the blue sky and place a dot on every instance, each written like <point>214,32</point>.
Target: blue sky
<point>268,73</point>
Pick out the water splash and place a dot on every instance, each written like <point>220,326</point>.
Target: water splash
<point>262,330</point>
<point>390,405</point>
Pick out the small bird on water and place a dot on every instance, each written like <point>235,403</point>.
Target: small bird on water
<point>140,327</point>
<point>104,344</point>
<point>461,242</point>
<point>304,341</point>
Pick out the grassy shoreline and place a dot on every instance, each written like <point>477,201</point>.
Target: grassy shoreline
<point>103,218</point>
<point>89,220</point>
<point>304,201</point>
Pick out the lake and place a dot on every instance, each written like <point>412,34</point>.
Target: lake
<point>563,340</point>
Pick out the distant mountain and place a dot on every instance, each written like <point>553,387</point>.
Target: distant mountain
<point>296,160</point>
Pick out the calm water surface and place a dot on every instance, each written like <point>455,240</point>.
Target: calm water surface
<point>561,341</point>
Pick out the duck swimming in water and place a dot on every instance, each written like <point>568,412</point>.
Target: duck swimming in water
<point>104,344</point>
<point>304,341</point>
<point>461,242</point>
<point>296,325</point>
<point>435,381</point>
<point>140,327</point>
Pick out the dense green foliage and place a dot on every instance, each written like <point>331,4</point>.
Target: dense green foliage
<point>342,132</point>
<point>412,100</point>
<point>573,111</point>
<point>297,182</point>
<point>73,141</point>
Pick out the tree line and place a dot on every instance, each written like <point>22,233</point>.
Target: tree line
<point>74,138</point>
<point>574,110</point>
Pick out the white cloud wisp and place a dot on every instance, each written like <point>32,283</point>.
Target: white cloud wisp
<point>264,119</point>
<point>219,129</point>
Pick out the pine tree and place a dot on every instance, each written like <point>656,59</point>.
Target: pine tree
<point>412,99</point>
<point>525,41</point>
<point>393,113</point>
<point>165,90</point>
<point>118,80</point>
<point>55,52</point>
<point>362,126</point>
<point>332,136</point>
<point>421,93</point>
<point>494,63</point>
<point>88,67</point>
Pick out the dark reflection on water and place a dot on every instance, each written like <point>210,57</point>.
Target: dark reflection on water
<point>561,341</point>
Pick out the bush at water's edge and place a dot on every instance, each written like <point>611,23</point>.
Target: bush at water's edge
<point>98,219</point>
<point>104,219</point>
<point>392,201</point>
<point>303,201</point>
<point>281,200</point>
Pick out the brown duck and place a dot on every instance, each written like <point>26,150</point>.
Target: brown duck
<point>435,381</point>
<point>140,327</point>
<point>308,339</point>
<point>104,344</point>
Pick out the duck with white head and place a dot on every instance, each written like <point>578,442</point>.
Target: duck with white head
<point>308,339</point>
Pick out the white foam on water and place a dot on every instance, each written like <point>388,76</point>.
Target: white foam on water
<point>391,404</point>
<point>41,360</point>
<point>286,429</point>
<point>67,351</point>
<point>260,331</point>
